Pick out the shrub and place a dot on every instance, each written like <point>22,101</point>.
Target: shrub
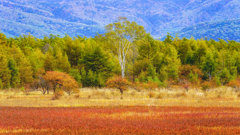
<point>70,86</point>
<point>234,84</point>
<point>206,85</point>
<point>26,89</point>
<point>159,96</point>
<point>151,94</point>
<point>119,83</point>
<point>150,85</point>
<point>57,95</point>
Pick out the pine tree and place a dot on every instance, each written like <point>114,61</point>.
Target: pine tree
<point>91,78</point>
<point>76,74</point>
<point>209,65</point>
<point>95,59</point>
<point>36,58</point>
<point>4,71</point>
<point>58,59</point>
<point>74,50</point>
<point>65,64</point>
<point>147,47</point>
<point>142,77</point>
<point>171,63</point>
<point>100,80</point>
<point>151,71</point>
<point>49,63</point>
<point>15,78</point>
<point>25,70</point>
<point>84,77</point>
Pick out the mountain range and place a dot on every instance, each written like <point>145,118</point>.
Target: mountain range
<point>198,18</point>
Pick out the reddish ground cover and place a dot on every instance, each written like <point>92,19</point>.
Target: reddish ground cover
<point>120,120</point>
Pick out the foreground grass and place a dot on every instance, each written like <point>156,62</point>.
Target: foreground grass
<point>120,120</point>
<point>220,97</point>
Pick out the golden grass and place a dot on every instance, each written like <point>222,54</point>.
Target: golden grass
<point>219,97</point>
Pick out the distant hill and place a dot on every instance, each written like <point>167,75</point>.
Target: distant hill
<point>226,29</point>
<point>86,17</point>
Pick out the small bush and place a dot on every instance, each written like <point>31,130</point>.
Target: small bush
<point>58,94</point>
<point>206,85</point>
<point>26,89</point>
<point>150,85</point>
<point>234,84</point>
<point>159,96</point>
<point>133,93</point>
<point>119,83</point>
<point>77,96</point>
<point>183,94</point>
<point>10,97</point>
<point>151,94</point>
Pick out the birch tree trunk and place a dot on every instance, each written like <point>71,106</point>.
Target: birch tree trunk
<point>120,36</point>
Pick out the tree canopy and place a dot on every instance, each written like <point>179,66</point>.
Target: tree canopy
<point>125,49</point>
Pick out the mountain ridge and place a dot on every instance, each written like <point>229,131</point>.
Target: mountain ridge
<point>86,18</point>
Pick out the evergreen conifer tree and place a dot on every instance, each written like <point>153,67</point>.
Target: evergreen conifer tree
<point>4,71</point>
<point>15,78</point>
<point>49,63</point>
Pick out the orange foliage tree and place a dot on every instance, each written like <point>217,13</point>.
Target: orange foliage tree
<point>234,84</point>
<point>119,83</point>
<point>70,85</point>
<point>61,79</point>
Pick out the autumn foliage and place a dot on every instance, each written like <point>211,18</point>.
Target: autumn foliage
<point>120,120</point>
<point>62,80</point>
<point>118,83</point>
<point>234,84</point>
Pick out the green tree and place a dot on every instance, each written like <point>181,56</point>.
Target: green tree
<point>151,71</point>
<point>119,37</point>
<point>36,58</point>
<point>62,62</point>
<point>49,63</point>
<point>25,70</point>
<point>15,78</point>
<point>168,39</point>
<point>4,71</point>
<point>91,79</point>
<point>83,77</point>
<point>74,50</point>
<point>76,74</point>
<point>209,65</point>
<point>95,59</point>
<point>147,47</point>
<point>171,63</point>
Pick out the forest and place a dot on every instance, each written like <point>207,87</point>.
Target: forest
<point>124,50</point>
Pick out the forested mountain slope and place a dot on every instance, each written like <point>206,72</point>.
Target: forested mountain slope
<point>85,18</point>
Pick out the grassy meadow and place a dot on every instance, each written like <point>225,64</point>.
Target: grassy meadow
<point>222,96</point>
<point>102,111</point>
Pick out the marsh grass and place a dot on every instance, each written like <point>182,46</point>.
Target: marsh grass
<point>222,96</point>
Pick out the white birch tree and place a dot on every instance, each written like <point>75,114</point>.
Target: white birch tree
<point>120,36</point>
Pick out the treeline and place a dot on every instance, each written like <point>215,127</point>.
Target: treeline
<point>92,61</point>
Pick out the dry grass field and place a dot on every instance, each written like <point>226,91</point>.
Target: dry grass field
<point>219,97</point>
<point>102,111</point>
